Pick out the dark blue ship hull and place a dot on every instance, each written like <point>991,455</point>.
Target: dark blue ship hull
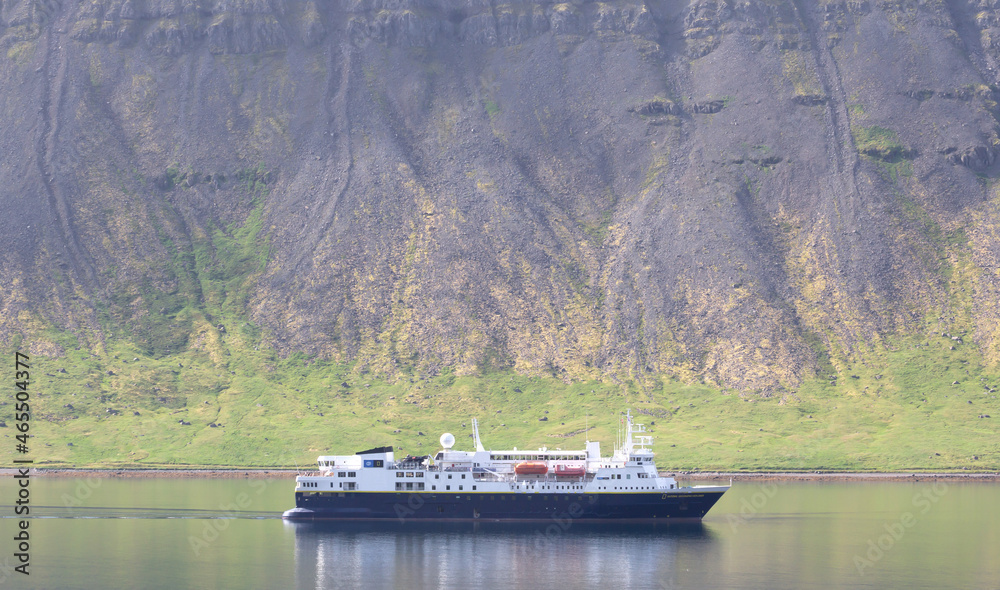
<point>426,506</point>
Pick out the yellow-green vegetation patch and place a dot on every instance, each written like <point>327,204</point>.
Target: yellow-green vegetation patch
<point>492,108</point>
<point>21,53</point>
<point>879,143</point>
<point>797,68</point>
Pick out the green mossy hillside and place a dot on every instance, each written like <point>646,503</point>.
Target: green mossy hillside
<point>916,407</point>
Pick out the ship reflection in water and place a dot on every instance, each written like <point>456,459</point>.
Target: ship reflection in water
<point>478,555</point>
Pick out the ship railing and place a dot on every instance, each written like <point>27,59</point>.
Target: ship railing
<point>407,466</point>
<point>492,475</point>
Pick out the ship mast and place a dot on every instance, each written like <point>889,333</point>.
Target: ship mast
<point>627,450</point>
<point>475,435</point>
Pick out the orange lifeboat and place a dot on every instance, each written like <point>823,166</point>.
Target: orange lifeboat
<point>531,468</point>
<point>566,471</point>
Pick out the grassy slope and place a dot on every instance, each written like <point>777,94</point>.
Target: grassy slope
<point>270,411</point>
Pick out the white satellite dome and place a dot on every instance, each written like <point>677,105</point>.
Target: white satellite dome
<point>447,440</point>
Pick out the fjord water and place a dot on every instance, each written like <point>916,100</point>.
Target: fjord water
<point>204,533</point>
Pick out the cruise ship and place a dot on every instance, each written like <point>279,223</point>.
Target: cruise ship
<point>506,485</point>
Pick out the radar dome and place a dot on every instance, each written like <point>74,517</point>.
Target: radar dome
<point>447,440</point>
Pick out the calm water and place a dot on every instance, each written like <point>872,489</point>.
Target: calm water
<point>160,533</point>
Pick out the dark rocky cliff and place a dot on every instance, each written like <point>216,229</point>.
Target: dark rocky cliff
<point>747,192</point>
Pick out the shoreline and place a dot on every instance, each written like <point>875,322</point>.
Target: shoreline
<point>274,473</point>
<point>821,476</point>
<point>132,473</point>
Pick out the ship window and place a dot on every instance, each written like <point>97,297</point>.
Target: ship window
<point>409,485</point>
<point>629,476</point>
<point>447,487</point>
<point>341,474</point>
<point>449,476</point>
<point>420,474</point>
<point>459,487</point>
<point>434,487</point>
<point>399,474</point>
<point>436,476</point>
<point>463,476</point>
<point>409,474</point>
<point>473,488</point>
<point>351,474</point>
<point>399,485</point>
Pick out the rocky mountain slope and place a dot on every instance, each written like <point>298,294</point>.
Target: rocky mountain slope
<point>749,193</point>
